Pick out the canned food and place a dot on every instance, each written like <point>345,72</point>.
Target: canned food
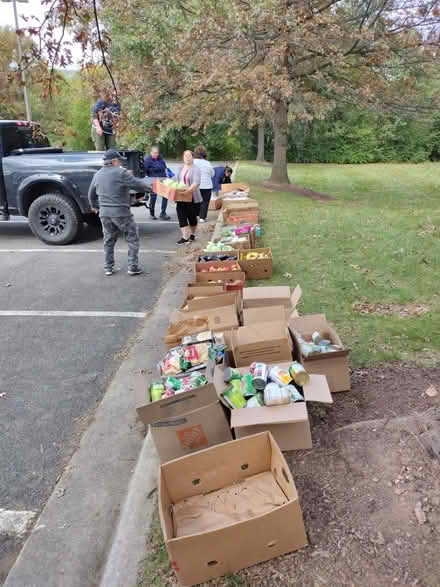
<point>157,389</point>
<point>255,401</point>
<point>279,375</point>
<point>316,337</point>
<point>299,374</point>
<point>274,395</point>
<point>295,395</point>
<point>247,386</point>
<point>259,373</point>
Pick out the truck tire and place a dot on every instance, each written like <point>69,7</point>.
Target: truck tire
<point>55,219</point>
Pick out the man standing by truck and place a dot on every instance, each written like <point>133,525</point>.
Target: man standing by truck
<point>109,194</point>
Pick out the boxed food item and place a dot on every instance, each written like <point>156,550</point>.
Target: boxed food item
<point>171,192</point>
<point>270,344</point>
<point>225,277</point>
<point>216,267</point>
<point>229,507</point>
<point>256,263</point>
<point>279,404</point>
<point>320,349</point>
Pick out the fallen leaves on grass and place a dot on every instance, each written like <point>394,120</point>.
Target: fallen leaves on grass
<point>402,310</point>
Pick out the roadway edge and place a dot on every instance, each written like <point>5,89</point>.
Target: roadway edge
<point>92,530</point>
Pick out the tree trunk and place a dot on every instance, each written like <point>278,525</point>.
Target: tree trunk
<point>280,127</point>
<point>260,152</point>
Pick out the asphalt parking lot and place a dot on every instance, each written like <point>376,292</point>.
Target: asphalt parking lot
<point>64,328</point>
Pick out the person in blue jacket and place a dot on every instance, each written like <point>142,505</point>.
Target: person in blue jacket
<point>155,166</point>
<point>221,175</point>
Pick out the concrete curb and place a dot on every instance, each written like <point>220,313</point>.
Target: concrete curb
<point>92,529</point>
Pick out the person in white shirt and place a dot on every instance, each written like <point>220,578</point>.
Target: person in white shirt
<point>206,173</point>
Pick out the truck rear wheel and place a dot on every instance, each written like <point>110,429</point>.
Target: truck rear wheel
<point>55,219</point>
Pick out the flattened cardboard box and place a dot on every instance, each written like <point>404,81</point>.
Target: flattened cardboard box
<point>278,295</point>
<point>333,365</point>
<point>289,424</point>
<point>270,344</point>
<point>201,556</point>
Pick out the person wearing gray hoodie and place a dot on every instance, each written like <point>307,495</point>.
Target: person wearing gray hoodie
<point>109,195</point>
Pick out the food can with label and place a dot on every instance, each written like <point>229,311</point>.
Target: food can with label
<point>157,389</point>
<point>275,395</point>
<point>279,375</point>
<point>260,372</point>
<point>299,374</point>
<point>295,395</point>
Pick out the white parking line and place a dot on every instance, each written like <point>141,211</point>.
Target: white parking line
<point>71,250</point>
<point>62,314</point>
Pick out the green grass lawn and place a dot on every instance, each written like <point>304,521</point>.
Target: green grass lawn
<point>378,242</point>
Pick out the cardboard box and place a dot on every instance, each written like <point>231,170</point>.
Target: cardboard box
<point>236,212</point>
<point>289,424</point>
<point>220,276</point>
<point>191,432</point>
<point>205,267</point>
<point>333,365</point>
<point>195,290</point>
<point>184,423</point>
<point>258,530</point>
<point>219,318</point>
<point>270,314</point>
<point>212,302</point>
<point>256,268</point>
<point>234,187</point>
<point>270,344</point>
<point>278,295</point>
<point>171,193</point>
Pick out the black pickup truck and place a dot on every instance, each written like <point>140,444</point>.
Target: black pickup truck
<point>49,185</point>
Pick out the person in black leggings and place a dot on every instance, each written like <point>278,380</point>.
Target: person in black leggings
<point>187,212</point>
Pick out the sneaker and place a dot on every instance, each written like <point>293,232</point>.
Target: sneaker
<point>183,241</point>
<point>192,238</point>
<point>135,271</point>
<point>153,217</point>
<point>109,271</point>
<point>165,217</point>
<point>4,216</point>
<point>202,220</point>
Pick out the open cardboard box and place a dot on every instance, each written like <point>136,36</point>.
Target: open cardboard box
<point>255,513</point>
<point>220,317</point>
<point>288,423</point>
<point>256,268</point>
<point>333,365</point>
<point>234,187</point>
<point>202,290</point>
<point>183,423</point>
<point>171,193</point>
<point>220,276</point>
<point>270,296</point>
<point>268,314</point>
<point>218,265</point>
<point>212,302</point>
<point>270,344</point>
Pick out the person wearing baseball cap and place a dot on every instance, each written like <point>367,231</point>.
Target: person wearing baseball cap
<point>109,195</point>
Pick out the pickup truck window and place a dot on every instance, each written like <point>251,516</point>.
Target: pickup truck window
<point>21,137</point>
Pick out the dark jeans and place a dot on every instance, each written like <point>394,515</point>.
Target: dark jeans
<point>114,227</point>
<point>163,206</point>
<point>187,213</point>
<point>206,195</point>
